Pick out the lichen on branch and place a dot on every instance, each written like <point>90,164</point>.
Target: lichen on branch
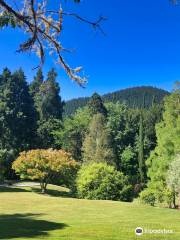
<point>44,28</point>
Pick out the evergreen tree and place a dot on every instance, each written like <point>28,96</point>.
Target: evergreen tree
<point>153,101</point>
<point>17,114</point>
<point>151,117</point>
<point>48,100</point>
<point>97,144</point>
<point>144,101</point>
<point>168,146</point>
<point>141,150</point>
<point>17,118</point>
<point>49,108</point>
<point>96,105</point>
<point>37,82</point>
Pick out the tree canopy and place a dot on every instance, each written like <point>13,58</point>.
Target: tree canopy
<point>44,165</point>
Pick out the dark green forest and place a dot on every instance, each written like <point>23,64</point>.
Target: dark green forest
<point>135,97</point>
<point>131,142</point>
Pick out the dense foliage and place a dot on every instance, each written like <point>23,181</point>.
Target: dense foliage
<point>72,135</point>
<point>136,97</point>
<point>97,145</point>
<point>168,146</point>
<point>17,113</point>
<point>26,119</point>
<point>96,105</point>
<point>148,197</point>
<point>44,165</point>
<point>107,133</point>
<point>100,181</point>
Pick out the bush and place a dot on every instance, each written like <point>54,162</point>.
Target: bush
<point>148,197</point>
<point>102,182</point>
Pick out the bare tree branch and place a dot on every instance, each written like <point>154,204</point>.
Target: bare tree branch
<point>44,28</point>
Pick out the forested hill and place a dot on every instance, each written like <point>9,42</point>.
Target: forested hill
<point>135,97</point>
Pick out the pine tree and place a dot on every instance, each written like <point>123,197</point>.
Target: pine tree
<point>96,105</point>
<point>144,101</point>
<point>153,101</point>
<point>48,100</point>
<point>17,118</point>
<point>97,144</point>
<point>25,111</point>
<point>16,111</point>
<point>36,84</point>
<point>49,108</point>
<point>141,150</point>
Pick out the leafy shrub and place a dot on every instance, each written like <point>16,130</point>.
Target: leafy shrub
<point>148,197</point>
<point>101,181</point>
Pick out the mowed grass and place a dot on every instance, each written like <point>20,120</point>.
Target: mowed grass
<point>29,215</point>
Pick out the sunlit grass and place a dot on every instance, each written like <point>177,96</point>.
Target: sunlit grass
<point>29,215</point>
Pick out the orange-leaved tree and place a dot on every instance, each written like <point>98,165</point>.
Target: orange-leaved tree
<point>44,165</point>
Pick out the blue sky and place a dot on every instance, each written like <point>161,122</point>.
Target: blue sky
<point>141,46</point>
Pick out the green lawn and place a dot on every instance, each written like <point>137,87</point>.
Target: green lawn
<point>28,215</point>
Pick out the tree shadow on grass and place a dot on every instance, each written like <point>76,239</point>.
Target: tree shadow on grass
<point>56,193</point>
<point>50,192</point>
<point>12,189</point>
<point>25,225</point>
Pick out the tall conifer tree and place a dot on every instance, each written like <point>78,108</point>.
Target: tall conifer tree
<point>97,144</point>
<point>16,111</point>
<point>141,150</point>
<point>48,100</point>
<point>96,105</point>
<point>36,83</point>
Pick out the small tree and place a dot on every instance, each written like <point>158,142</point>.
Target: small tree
<point>97,146</point>
<point>44,165</point>
<point>173,176</point>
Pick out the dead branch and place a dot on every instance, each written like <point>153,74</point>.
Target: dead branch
<point>44,28</point>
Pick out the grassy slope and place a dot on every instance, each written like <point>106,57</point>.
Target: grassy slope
<point>28,215</point>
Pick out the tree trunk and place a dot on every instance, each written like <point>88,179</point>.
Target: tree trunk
<point>174,200</point>
<point>43,187</point>
<point>179,201</point>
